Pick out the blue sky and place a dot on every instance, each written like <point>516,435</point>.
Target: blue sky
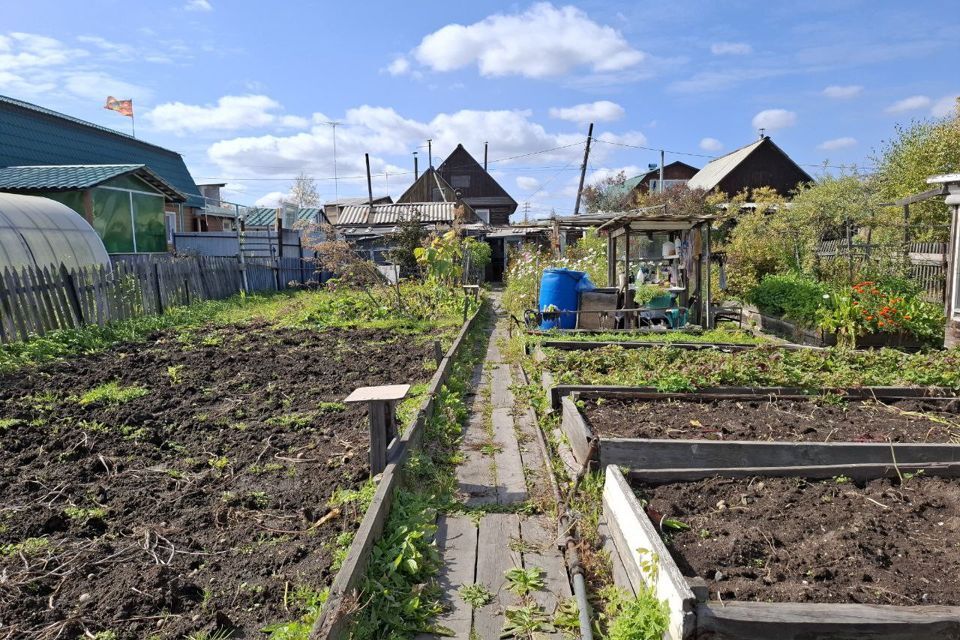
<point>243,89</point>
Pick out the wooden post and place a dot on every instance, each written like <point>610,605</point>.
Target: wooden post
<point>381,410</point>
<point>583,170</point>
<point>437,352</point>
<point>156,281</point>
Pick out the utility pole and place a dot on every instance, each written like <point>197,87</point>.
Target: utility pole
<point>660,184</point>
<point>416,167</point>
<point>526,212</point>
<point>583,170</point>
<point>430,152</point>
<point>369,183</point>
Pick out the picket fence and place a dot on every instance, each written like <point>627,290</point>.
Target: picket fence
<point>35,301</point>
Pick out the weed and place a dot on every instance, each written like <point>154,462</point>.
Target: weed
<point>842,479</point>
<point>112,393</point>
<point>28,547</point>
<point>331,407</point>
<point>174,373</point>
<point>361,498</point>
<point>293,421</point>
<point>475,595</point>
<point>704,534</point>
<point>524,581</point>
<point>81,514</point>
<point>133,433</point>
<point>6,423</point>
<point>309,602</point>
<point>219,462</point>
<point>525,621</point>
<point>490,449</point>
<point>567,617</point>
<point>635,618</point>
<point>93,425</point>
<point>220,633</point>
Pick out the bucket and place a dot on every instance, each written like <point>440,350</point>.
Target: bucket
<point>559,294</point>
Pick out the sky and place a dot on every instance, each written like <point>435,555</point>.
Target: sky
<point>246,90</point>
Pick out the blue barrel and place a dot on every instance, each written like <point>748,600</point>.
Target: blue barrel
<point>559,289</point>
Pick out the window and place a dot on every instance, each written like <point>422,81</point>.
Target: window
<point>460,182</point>
<point>129,221</point>
<point>655,184</point>
<point>171,220</point>
<point>484,215</point>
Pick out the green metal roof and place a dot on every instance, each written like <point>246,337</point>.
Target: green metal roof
<point>32,135</point>
<point>267,217</point>
<point>78,176</point>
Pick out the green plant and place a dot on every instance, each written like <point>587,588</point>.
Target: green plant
<point>174,374</point>
<point>28,547</point>
<point>309,602</point>
<point>643,617</point>
<point>525,621</point>
<point>218,462</point>
<point>112,393</point>
<point>81,514</point>
<point>7,423</point>
<point>475,595</point>
<point>644,293</point>
<point>523,581</point>
<point>220,633</point>
<point>792,295</point>
<point>331,407</point>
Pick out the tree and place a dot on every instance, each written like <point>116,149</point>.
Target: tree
<point>409,237</point>
<point>609,194</point>
<point>303,191</point>
<point>916,152</point>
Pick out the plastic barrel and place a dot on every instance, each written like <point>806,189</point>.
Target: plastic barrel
<point>559,288</point>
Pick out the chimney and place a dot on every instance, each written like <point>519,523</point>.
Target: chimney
<point>485,144</point>
<point>416,167</point>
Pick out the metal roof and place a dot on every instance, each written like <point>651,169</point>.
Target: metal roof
<point>68,177</point>
<point>345,202</point>
<point>394,213</point>
<point>267,217</point>
<point>33,135</point>
<point>718,169</point>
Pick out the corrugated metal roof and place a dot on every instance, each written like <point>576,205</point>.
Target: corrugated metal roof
<point>267,217</point>
<point>34,135</point>
<point>65,177</point>
<point>346,202</point>
<point>716,170</point>
<point>394,213</point>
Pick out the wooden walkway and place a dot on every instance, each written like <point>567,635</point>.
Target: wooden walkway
<point>503,467</point>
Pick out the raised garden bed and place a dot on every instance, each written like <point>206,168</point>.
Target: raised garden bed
<point>783,328</point>
<point>791,558</point>
<point>192,483</point>
<point>745,431</point>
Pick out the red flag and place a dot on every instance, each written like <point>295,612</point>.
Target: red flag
<point>123,107</point>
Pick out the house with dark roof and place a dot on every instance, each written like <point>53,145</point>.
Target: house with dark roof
<point>332,209</point>
<point>674,173</point>
<point>135,194</point>
<point>758,164</point>
<point>460,175</point>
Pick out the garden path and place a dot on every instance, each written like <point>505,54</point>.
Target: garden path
<point>503,467</point>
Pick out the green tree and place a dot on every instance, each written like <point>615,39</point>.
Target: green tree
<point>916,152</point>
<point>609,194</point>
<point>409,237</point>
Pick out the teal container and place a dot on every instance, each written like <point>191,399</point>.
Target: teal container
<point>560,290</point>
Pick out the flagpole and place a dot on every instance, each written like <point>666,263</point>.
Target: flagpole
<point>133,120</point>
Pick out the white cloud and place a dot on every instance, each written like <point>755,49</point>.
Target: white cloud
<point>528,184</point>
<point>909,104</point>
<point>229,113</point>
<point>600,111</point>
<point>711,144</point>
<point>95,85</point>
<point>198,5</point>
<point>542,41</point>
<point>399,66</point>
<point>945,106</point>
<point>773,119</point>
<point>730,49</point>
<point>837,143</point>
<point>843,92</point>
<point>272,199</point>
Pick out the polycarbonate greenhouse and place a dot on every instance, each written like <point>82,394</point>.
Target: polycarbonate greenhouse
<point>40,232</point>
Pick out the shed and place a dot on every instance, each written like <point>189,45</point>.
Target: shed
<point>950,184</point>
<point>40,232</point>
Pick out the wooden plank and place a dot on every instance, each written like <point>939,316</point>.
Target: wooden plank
<point>34,289</point>
<point>677,454</point>
<point>801,621</point>
<point>640,546</point>
<point>97,276</point>
<point>58,295</point>
<point>855,471</point>
<point>494,559</point>
<point>540,550</point>
<point>475,476</point>
<point>8,329</point>
<point>511,481</point>
<point>457,545</point>
<point>17,306</point>
<point>620,577</point>
<point>42,295</point>
<point>501,397</point>
<point>575,429</point>
<point>28,307</point>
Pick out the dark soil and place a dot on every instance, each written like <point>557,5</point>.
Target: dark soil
<point>789,540</point>
<point>200,505</point>
<point>914,420</point>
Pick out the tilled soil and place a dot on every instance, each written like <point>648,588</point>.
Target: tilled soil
<point>203,504</point>
<point>914,420</point>
<point>790,540</point>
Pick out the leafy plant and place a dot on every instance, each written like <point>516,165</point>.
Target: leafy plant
<point>307,600</point>
<point>643,617</point>
<point>791,295</point>
<point>523,581</point>
<point>524,621</point>
<point>476,595</point>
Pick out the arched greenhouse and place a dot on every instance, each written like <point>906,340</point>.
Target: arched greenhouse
<point>40,232</point>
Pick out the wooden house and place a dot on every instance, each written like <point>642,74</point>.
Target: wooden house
<point>758,164</point>
<point>675,173</point>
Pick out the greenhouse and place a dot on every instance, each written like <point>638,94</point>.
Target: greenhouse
<point>40,232</point>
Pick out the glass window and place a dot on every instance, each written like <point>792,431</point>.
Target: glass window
<point>130,182</point>
<point>461,181</point>
<point>149,225</point>
<point>112,220</point>
<point>73,199</point>
<point>171,218</point>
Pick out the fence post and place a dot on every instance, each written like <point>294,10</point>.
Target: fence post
<point>72,296</point>
<point>156,281</point>
<point>381,409</point>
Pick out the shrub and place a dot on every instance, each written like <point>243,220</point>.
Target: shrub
<point>792,295</point>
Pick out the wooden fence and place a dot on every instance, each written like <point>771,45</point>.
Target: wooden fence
<point>927,261</point>
<point>35,301</point>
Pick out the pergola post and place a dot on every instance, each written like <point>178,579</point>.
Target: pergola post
<point>382,412</point>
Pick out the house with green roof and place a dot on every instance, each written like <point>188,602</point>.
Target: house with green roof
<point>135,194</point>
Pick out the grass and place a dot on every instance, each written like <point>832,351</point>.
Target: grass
<point>82,514</point>
<point>26,547</point>
<point>722,335</point>
<point>112,393</point>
